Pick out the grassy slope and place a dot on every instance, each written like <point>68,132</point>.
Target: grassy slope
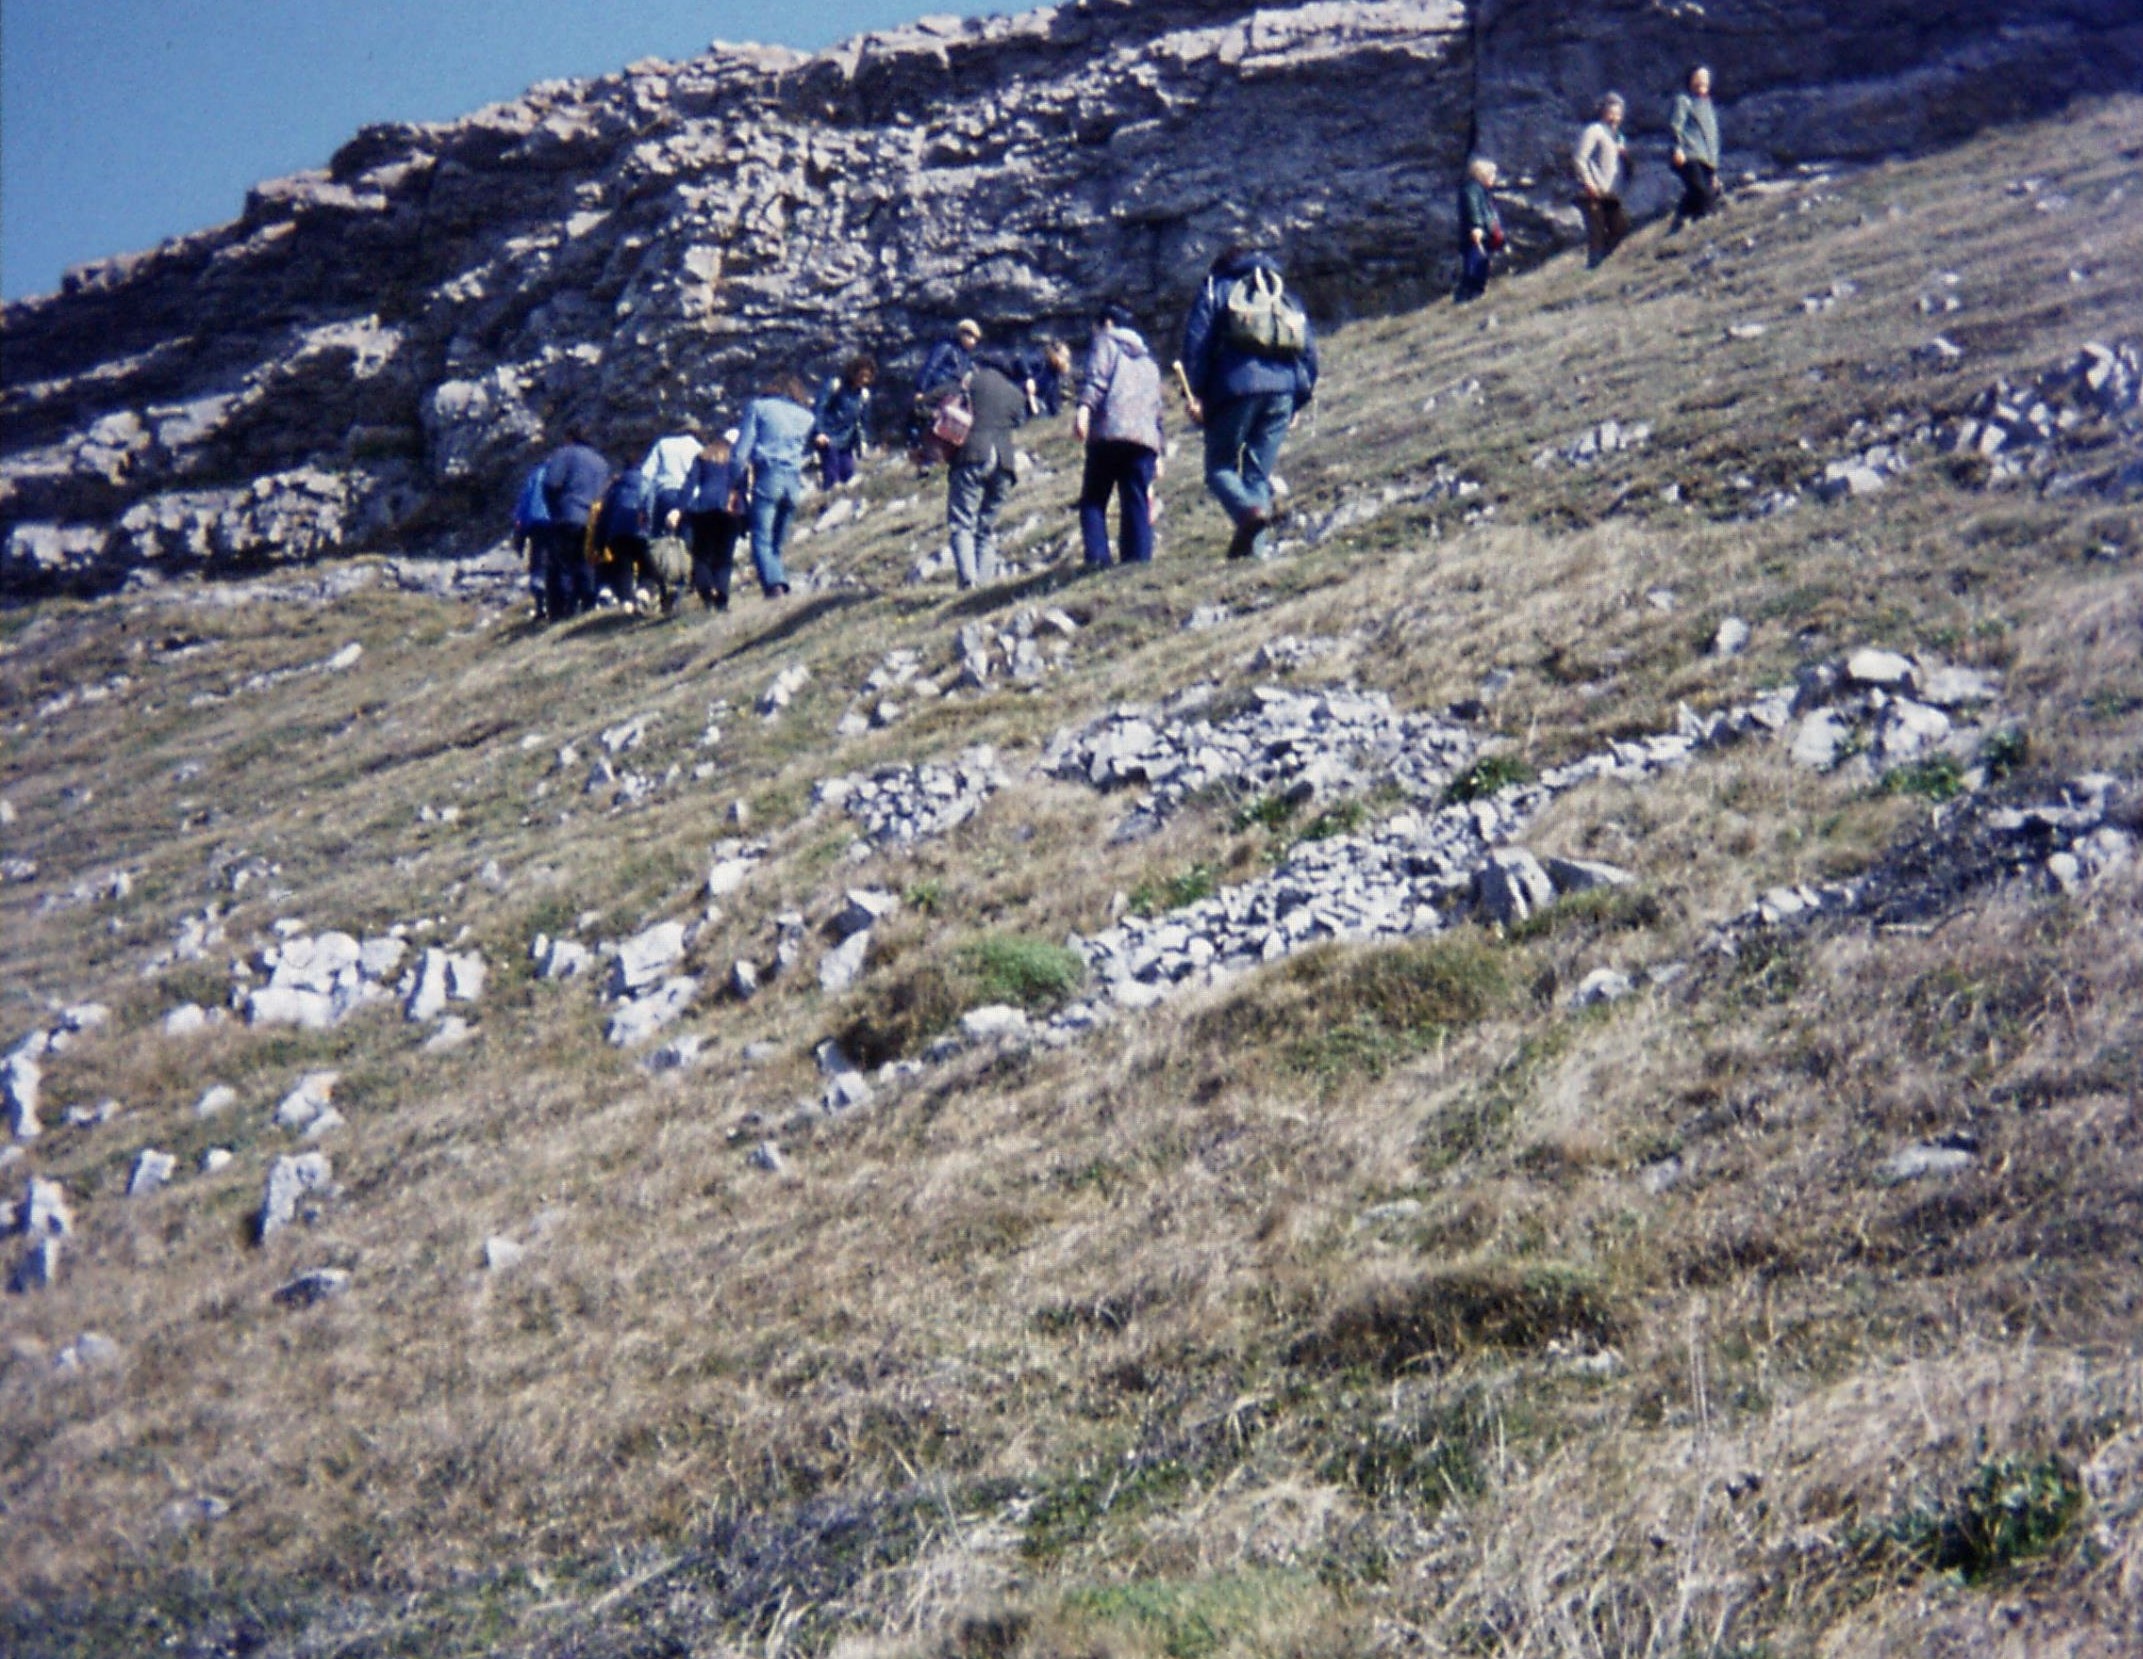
<point>1094,1351</point>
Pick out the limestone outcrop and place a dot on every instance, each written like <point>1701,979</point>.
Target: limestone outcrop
<point>371,352</point>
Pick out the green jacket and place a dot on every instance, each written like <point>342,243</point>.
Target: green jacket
<point>1695,126</point>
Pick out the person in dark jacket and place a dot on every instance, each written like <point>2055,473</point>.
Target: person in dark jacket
<point>1119,422</point>
<point>1480,229</point>
<point>1245,398</point>
<point>840,420</point>
<point>574,478</point>
<point>530,518</point>
<point>983,470</point>
<point>944,371</point>
<point>714,515</point>
<point>772,442</point>
<point>617,542</point>
<point>1048,372</point>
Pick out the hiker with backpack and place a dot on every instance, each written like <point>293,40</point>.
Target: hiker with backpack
<point>574,479</point>
<point>1249,367</point>
<point>943,374</point>
<point>530,519</point>
<point>1480,230</point>
<point>840,419</point>
<point>1694,126</point>
<point>1603,169</point>
<point>1119,422</point>
<point>982,470</point>
<point>772,441</point>
<point>714,515</point>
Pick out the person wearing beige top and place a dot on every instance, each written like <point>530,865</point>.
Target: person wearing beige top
<point>1603,167</point>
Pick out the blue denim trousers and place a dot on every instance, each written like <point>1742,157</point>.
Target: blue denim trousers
<point>1242,441</point>
<point>776,494</point>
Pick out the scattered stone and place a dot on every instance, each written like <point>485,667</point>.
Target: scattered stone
<point>218,1097</point>
<point>314,1092</point>
<point>865,908</point>
<point>185,1020</point>
<point>635,1021</point>
<point>1871,667</point>
<point>1917,1162</point>
<point>203,1509</point>
<point>1731,639</point>
<point>91,1351</point>
<point>322,1284</point>
<point>20,1082</point>
<point>308,1010</point>
<point>1821,740</point>
<point>1511,885</point>
<point>783,689</point>
<point>678,1054</point>
<point>1844,479</point>
<point>767,1156</point>
<point>39,1267</point>
<point>214,1159</point>
<point>453,1032</point>
<point>501,1253</point>
<point>846,1091</point>
<point>43,1212</point>
<point>645,958</point>
<point>901,805</point>
<point>558,959</point>
<point>728,874</point>
<point>1603,985</point>
<point>840,967</point>
<point>1578,875</point>
<point>291,1179</point>
<point>744,980</point>
<point>995,1022</point>
<point>152,1170</point>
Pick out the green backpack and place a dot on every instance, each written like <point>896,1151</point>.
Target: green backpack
<point>1262,320</point>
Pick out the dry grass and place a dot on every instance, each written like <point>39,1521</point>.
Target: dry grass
<point>1380,1302</point>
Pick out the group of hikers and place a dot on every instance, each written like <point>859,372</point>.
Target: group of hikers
<point>1247,368</point>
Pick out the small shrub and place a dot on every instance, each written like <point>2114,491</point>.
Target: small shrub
<point>1341,818</point>
<point>1937,778</point>
<point>1487,776</point>
<point>1009,967</point>
<point>2005,752</point>
<point>1269,812</point>
<point>2012,1509</point>
<point>925,896</point>
<point>1152,896</point>
<point>1391,1327</point>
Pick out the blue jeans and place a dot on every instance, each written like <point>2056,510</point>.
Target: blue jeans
<point>1125,470</point>
<point>836,467</point>
<point>1242,440</point>
<point>776,494</point>
<point>1473,273</point>
<point>974,495</point>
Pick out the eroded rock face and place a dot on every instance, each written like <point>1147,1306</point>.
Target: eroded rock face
<point>376,349</point>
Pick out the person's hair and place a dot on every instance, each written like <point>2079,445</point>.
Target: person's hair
<point>790,387</point>
<point>1482,170</point>
<point>1613,100</point>
<point>577,435</point>
<point>967,325</point>
<point>1695,70</point>
<point>716,449</point>
<point>1115,314</point>
<point>1057,355</point>
<point>861,367</point>
<point>1231,253</point>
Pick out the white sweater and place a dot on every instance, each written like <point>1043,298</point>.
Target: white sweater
<point>1600,166</point>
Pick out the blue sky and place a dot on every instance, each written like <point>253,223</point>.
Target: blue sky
<point>126,121</point>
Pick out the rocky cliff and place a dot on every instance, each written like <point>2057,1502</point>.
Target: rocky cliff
<point>373,350</point>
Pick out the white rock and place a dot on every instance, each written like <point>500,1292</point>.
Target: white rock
<point>185,1020</point>
<point>43,1212</point>
<point>744,980</point>
<point>563,958</point>
<point>86,1017</point>
<point>307,1100</point>
<point>290,1180</point>
<point>1886,669</point>
<point>846,1091</point>
<point>840,967</point>
<point>645,958</point>
<point>501,1253</point>
<point>1951,688</point>
<point>20,1082</point>
<point>91,1351</point>
<point>453,1033</point>
<point>1911,728</point>
<point>1731,639</point>
<point>767,1156</point>
<point>325,1124</point>
<point>636,1021</point>
<point>1511,885</point>
<point>1603,985</point>
<point>727,875</point>
<point>678,1054</point>
<point>1580,875</point>
<point>380,958</point>
<point>39,1267</point>
<point>427,998</point>
<point>152,1169</point>
<point>1914,1162</point>
<point>865,908</point>
<point>993,1023</point>
<point>465,975</point>
<point>218,1097</point>
<point>277,1005</point>
<point>214,1159</point>
<point>1819,740</point>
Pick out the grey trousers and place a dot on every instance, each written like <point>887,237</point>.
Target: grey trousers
<point>974,495</point>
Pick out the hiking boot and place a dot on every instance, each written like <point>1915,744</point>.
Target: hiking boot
<point>1247,531</point>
